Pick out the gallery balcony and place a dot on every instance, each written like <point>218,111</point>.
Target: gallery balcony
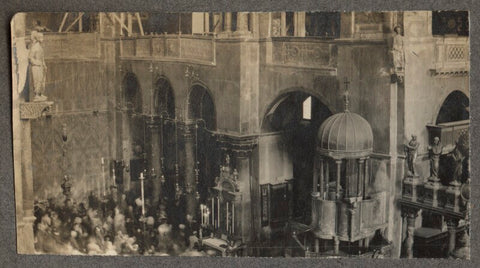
<point>170,47</point>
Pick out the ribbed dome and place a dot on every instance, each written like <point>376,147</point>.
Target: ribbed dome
<point>345,135</point>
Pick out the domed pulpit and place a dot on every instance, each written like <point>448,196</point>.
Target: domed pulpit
<point>342,210</point>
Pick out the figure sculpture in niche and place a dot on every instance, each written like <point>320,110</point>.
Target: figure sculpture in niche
<point>36,59</point>
<point>411,149</point>
<point>397,49</point>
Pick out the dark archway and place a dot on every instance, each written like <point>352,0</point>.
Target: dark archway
<point>132,97</point>
<point>454,108</point>
<point>133,126</point>
<point>297,116</point>
<point>201,106</point>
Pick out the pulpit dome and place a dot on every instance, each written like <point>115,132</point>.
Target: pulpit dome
<point>345,135</point>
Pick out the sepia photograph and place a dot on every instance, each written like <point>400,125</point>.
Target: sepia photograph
<point>242,134</point>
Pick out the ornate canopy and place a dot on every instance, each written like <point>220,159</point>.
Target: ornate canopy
<point>345,135</point>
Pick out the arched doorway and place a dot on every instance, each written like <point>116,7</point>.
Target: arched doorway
<point>295,118</point>
<point>454,108</point>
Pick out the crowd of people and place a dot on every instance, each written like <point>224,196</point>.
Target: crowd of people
<point>113,225</point>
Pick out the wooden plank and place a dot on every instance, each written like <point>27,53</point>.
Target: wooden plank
<point>63,22</point>
<point>139,23</point>
<point>75,21</point>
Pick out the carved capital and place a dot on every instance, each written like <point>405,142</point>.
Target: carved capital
<point>452,223</point>
<point>34,110</point>
<point>410,213</point>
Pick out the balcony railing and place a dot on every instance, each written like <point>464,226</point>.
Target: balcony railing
<point>200,49</point>
<point>71,46</point>
<point>452,55</point>
<point>306,53</point>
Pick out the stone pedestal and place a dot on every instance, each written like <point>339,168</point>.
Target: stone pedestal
<point>431,191</point>
<point>452,194</point>
<point>411,188</point>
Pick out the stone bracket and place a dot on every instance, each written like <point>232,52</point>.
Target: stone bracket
<point>34,110</point>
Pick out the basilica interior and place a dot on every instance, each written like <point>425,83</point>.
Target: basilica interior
<point>293,134</point>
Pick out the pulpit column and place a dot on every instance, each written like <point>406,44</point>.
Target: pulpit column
<point>227,22</point>
<point>411,215</point>
<point>339,165</point>
<point>190,184</point>
<point>452,234</point>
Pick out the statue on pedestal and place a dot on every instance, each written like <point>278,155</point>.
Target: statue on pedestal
<point>411,149</point>
<point>436,150</point>
<point>36,59</point>
<point>397,49</point>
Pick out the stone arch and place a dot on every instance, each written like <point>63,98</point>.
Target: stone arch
<point>271,106</point>
<point>454,107</point>
<point>201,104</point>
<point>164,97</point>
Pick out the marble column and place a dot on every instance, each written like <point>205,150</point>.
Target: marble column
<point>154,158</point>
<point>190,184</point>
<point>452,234</point>
<point>411,215</point>
<point>227,22</point>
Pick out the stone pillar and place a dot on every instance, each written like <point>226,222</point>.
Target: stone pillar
<point>206,22</point>
<point>154,158</point>
<point>242,23</point>
<point>411,215</point>
<point>190,184</point>
<point>299,28</point>
<point>452,234</point>
<point>227,22</point>
<point>27,111</point>
<point>283,24</point>
<point>242,149</point>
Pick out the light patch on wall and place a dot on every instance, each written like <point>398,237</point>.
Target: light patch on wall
<point>307,108</point>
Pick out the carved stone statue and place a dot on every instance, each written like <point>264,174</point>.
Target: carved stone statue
<point>458,157</point>
<point>435,152</point>
<point>36,59</point>
<point>397,49</point>
<point>411,149</point>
